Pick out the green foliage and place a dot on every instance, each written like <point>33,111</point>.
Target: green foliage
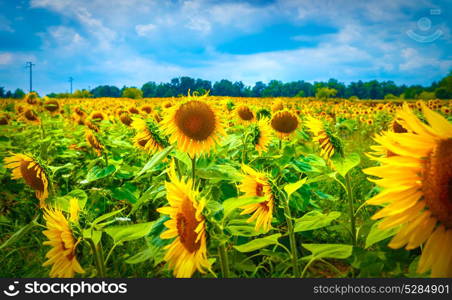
<point>132,93</point>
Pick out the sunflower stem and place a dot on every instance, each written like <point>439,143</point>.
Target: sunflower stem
<point>280,144</point>
<point>293,243</point>
<point>106,159</point>
<point>351,208</point>
<point>193,168</point>
<point>223,260</point>
<point>97,259</point>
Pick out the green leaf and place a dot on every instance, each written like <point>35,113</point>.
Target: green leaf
<point>315,220</point>
<point>122,193</point>
<point>18,234</point>
<point>97,173</point>
<point>94,235</point>
<point>257,244</point>
<point>343,165</point>
<point>123,233</point>
<point>106,216</point>
<point>230,205</point>
<point>152,253</point>
<point>218,172</point>
<point>376,234</point>
<point>293,187</point>
<point>155,159</point>
<point>339,251</point>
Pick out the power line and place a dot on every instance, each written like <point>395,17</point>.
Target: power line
<point>71,80</point>
<point>30,65</point>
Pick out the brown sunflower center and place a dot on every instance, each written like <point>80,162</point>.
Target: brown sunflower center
<point>437,182</point>
<point>51,106</point>
<point>245,113</point>
<point>284,122</point>
<point>186,225</point>
<point>398,128</point>
<point>259,190</point>
<point>30,174</point>
<point>265,205</point>
<point>31,115</point>
<point>196,120</point>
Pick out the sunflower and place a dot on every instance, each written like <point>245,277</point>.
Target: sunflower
<point>97,116</point>
<point>52,106</point>
<point>60,237</point>
<point>92,140</point>
<point>321,135</point>
<point>255,184</point>
<point>125,119</point>
<point>26,167</point>
<point>244,114</point>
<point>148,137</point>
<point>30,116</point>
<point>261,135</point>
<point>417,188</point>
<point>194,125</point>
<point>284,123</point>
<point>188,252</point>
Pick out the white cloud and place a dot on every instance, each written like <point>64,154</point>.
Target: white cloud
<point>5,58</point>
<point>143,30</point>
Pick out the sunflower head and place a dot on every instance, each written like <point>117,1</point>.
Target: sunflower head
<point>62,257</point>
<point>125,119</point>
<point>194,126</point>
<point>32,98</point>
<point>93,141</point>
<point>149,136</point>
<point>416,181</point>
<point>26,167</point>
<point>322,135</point>
<point>52,106</point>
<point>245,114</point>
<point>261,134</point>
<point>30,116</point>
<point>256,184</point>
<point>188,252</point>
<point>284,123</point>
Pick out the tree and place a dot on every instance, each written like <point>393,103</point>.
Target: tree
<point>149,89</point>
<point>223,88</point>
<point>106,91</point>
<point>390,96</point>
<point>132,92</point>
<point>325,93</point>
<point>258,88</point>
<point>2,92</point>
<point>82,94</point>
<point>426,95</point>
<point>18,94</point>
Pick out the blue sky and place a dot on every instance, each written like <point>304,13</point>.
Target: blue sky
<point>130,42</point>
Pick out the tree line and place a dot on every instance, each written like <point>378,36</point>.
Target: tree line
<point>373,89</point>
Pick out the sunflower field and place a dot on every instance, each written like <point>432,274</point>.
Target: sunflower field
<point>217,187</point>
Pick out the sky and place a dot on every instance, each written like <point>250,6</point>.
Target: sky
<point>131,42</point>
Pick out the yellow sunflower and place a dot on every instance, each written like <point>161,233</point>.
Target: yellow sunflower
<point>284,123</point>
<point>92,140</point>
<point>194,125</point>
<point>62,256</point>
<point>322,136</point>
<point>188,252</point>
<point>148,136</point>
<point>417,188</point>
<point>26,167</point>
<point>255,184</point>
<point>261,135</point>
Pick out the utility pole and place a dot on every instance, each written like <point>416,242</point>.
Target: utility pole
<point>30,66</point>
<point>71,80</point>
